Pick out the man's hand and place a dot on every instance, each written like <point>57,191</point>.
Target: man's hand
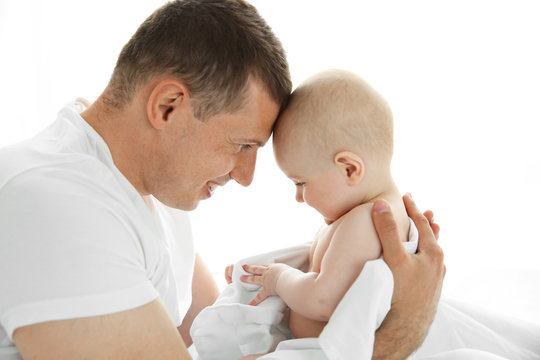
<point>418,281</point>
<point>266,276</point>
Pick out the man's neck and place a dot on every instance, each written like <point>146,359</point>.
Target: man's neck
<point>120,130</point>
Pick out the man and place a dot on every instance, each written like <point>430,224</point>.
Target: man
<point>90,263</point>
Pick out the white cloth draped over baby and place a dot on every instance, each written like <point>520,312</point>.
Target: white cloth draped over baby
<point>231,329</point>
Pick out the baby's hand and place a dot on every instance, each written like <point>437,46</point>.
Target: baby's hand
<point>228,273</point>
<point>263,275</point>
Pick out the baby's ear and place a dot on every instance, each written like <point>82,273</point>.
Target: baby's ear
<point>351,165</point>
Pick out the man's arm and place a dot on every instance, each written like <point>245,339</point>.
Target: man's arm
<point>146,332</point>
<point>204,292</point>
<point>417,282</point>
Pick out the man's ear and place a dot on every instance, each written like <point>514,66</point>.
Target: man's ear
<point>167,97</point>
<point>351,165</point>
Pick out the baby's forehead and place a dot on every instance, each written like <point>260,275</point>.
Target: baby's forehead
<point>298,118</point>
<point>309,112</point>
<point>301,132</point>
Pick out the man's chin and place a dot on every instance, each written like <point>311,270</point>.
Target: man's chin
<point>189,208</point>
<point>181,205</point>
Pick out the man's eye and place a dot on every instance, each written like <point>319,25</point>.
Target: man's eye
<point>299,184</point>
<point>245,147</point>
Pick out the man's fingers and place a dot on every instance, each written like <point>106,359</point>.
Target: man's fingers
<point>413,211</point>
<point>436,230</point>
<point>426,237</point>
<point>427,234</point>
<point>386,227</point>
<point>434,226</point>
<point>429,215</point>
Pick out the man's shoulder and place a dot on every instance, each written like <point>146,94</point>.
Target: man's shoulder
<point>61,150</point>
<point>45,163</point>
<point>70,204</point>
<point>78,188</point>
<point>55,174</point>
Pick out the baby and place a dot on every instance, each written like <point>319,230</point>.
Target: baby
<point>335,142</point>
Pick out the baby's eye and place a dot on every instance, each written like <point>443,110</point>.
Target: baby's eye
<point>299,183</point>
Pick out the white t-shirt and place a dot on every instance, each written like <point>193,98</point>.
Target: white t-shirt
<point>77,240</point>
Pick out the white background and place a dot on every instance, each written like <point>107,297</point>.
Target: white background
<point>462,77</point>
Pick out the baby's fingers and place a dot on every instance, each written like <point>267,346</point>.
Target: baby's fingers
<point>251,279</point>
<point>259,298</point>
<point>255,269</point>
<point>228,273</point>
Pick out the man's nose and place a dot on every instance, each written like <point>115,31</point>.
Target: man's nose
<point>244,168</point>
<point>300,194</point>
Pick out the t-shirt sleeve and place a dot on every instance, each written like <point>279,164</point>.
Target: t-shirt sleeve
<point>66,252</point>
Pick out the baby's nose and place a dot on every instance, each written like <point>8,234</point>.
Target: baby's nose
<point>299,195</point>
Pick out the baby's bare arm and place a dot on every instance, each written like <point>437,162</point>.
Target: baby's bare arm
<point>315,295</point>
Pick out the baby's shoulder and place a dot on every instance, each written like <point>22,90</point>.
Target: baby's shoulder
<point>356,223</point>
<point>359,218</point>
<point>360,214</point>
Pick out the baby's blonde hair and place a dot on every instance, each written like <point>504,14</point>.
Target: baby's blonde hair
<point>336,110</point>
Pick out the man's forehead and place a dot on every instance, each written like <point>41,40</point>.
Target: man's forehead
<point>254,131</point>
<point>254,122</point>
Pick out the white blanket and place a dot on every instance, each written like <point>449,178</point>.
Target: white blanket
<point>231,329</point>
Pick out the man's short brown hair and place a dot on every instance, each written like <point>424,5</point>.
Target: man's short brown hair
<point>212,46</point>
